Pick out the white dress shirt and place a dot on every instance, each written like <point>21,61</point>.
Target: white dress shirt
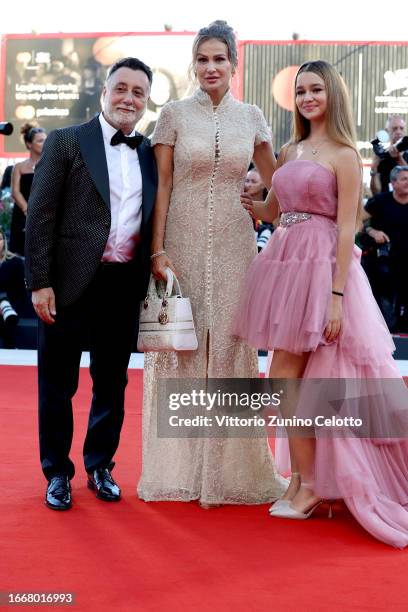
<point>125,187</point>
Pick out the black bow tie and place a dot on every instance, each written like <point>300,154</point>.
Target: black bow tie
<point>132,141</point>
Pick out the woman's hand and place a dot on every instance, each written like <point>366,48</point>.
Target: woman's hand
<point>159,265</point>
<point>266,211</point>
<point>333,327</point>
<point>248,204</point>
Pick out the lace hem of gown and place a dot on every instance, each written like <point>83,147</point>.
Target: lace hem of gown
<point>150,492</point>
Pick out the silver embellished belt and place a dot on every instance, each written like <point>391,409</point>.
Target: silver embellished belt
<point>289,218</point>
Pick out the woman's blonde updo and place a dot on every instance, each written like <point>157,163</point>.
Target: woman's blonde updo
<point>221,31</point>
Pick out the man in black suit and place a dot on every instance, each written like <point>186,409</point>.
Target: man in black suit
<point>87,265</point>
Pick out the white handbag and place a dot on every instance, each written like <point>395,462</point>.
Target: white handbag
<point>166,319</point>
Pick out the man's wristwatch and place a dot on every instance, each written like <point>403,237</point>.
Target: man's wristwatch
<point>373,172</point>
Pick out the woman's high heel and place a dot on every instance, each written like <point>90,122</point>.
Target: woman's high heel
<point>291,513</point>
<point>281,503</point>
<point>287,510</point>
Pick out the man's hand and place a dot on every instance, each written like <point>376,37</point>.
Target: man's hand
<point>379,236</point>
<point>44,304</point>
<point>393,151</point>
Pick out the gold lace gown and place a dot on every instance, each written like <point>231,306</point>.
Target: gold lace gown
<point>210,239</point>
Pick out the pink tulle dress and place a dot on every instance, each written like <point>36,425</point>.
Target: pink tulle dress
<point>285,306</point>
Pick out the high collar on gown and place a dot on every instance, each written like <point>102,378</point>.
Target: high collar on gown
<point>205,100</point>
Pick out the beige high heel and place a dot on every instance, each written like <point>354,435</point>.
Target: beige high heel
<point>280,503</point>
<point>287,511</point>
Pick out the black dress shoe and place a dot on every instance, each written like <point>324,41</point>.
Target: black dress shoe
<point>58,494</point>
<point>102,482</point>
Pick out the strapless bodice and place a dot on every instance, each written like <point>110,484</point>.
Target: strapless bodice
<point>306,186</point>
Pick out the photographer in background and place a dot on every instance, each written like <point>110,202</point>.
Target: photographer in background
<point>13,295</point>
<point>255,188</point>
<point>381,166</point>
<point>387,225</point>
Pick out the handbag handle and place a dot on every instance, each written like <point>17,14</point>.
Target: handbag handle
<point>172,283</point>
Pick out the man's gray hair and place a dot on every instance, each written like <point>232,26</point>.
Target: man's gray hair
<point>395,172</point>
<point>394,116</point>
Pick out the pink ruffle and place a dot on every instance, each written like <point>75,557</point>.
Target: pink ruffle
<point>288,292</point>
<point>286,296</point>
<point>370,475</point>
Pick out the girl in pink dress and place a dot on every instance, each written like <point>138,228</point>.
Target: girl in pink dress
<point>308,299</point>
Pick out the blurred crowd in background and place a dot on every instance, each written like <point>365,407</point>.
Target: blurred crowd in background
<point>382,231</point>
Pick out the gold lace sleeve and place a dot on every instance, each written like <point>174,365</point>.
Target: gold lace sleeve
<point>165,130</point>
<point>262,131</point>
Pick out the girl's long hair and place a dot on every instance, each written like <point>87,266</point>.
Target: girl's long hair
<point>339,115</point>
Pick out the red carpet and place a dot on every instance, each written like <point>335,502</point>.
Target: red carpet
<point>171,556</point>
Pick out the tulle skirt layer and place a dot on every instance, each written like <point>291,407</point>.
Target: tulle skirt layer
<point>286,298</point>
<point>369,474</point>
<point>285,305</point>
